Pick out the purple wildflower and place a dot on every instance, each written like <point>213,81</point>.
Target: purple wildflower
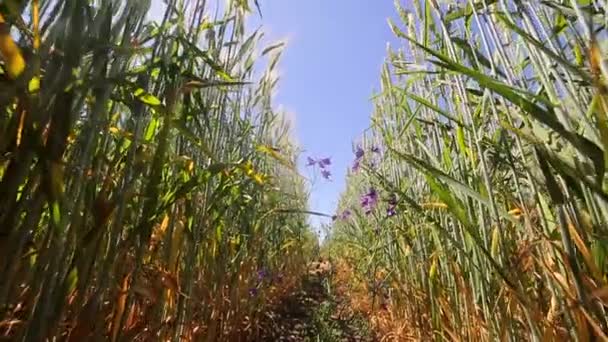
<point>359,153</point>
<point>262,274</point>
<point>373,195</point>
<point>253,291</point>
<point>390,212</point>
<point>310,161</point>
<point>369,201</point>
<point>324,162</point>
<point>364,201</point>
<point>370,198</point>
<point>326,174</point>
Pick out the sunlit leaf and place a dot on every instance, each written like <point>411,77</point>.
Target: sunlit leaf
<point>146,97</point>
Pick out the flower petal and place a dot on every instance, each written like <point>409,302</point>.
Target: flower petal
<point>324,162</point>
<point>359,153</point>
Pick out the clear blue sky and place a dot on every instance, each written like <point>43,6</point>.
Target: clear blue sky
<point>329,70</point>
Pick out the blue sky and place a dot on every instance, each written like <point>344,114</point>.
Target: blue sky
<point>329,70</point>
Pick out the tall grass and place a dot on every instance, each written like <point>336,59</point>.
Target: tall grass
<point>494,140</point>
<point>147,189</point>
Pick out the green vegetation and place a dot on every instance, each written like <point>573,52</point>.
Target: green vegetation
<point>483,174</point>
<point>148,188</point>
<point>147,185</point>
<point>328,327</point>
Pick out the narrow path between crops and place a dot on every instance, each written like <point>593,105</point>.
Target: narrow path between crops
<point>315,313</point>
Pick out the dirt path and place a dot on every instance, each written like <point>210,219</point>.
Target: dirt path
<point>314,313</point>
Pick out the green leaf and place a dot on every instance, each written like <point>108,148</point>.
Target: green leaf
<point>551,184</point>
<point>219,232</point>
<point>516,96</point>
<point>269,150</point>
<point>429,25</point>
<point>151,129</point>
<point>429,170</point>
<point>72,279</point>
<point>543,47</point>
<point>202,84</point>
<point>33,85</point>
<point>467,10</point>
<point>460,139</point>
<point>56,213</point>
<point>193,138</point>
<point>599,107</point>
<point>454,205</point>
<point>433,107</point>
<point>146,97</point>
<point>561,23</point>
<point>566,171</point>
<point>475,55</point>
<point>599,250</point>
<point>208,60</point>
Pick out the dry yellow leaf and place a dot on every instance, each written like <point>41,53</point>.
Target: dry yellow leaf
<point>10,52</point>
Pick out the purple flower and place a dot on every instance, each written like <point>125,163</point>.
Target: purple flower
<point>262,274</point>
<point>372,196</point>
<point>369,201</point>
<point>359,153</point>
<point>310,161</point>
<point>326,174</point>
<point>390,212</point>
<point>375,149</point>
<point>364,201</point>
<point>324,162</point>
<point>253,291</point>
